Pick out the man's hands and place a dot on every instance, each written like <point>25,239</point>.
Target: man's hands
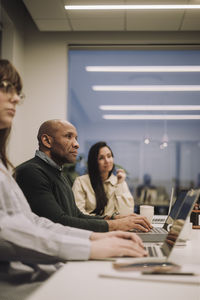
<point>120,216</point>
<point>120,243</point>
<point>130,222</point>
<point>113,244</point>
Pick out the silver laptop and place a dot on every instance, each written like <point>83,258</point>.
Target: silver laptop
<point>160,219</point>
<point>161,254</point>
<point>158,234</point>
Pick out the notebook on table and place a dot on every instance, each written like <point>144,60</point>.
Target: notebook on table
<point>158,234</point>
<point>161,254</point>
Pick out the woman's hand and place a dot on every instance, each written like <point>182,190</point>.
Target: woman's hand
<point>121,175</point>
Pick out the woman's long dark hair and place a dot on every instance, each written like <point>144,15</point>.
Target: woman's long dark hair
<point>10,74</point>
<point>95,177</point>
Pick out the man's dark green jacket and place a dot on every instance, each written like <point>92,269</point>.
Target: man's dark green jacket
<point>50,195</point>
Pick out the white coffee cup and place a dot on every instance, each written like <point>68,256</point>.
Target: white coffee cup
<point>147,211</point>
<point>186,231</point>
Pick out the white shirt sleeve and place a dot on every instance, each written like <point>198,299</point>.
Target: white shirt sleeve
<point>32,238</point>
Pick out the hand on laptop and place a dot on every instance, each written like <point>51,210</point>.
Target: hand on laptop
<point>124,216</point>
<point>120,234</point>
<point>113,244</point>
<point>130,222</point>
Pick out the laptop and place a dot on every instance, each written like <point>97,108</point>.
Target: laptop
<point>158,234</point>
<point>161,254</point>
<point>160,219</point>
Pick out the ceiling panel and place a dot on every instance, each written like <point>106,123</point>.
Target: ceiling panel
<point>98,24</point>
<point>45,9</point>
<point>191,20</point>
<point>50,15</point>
<point>154,20</point>
<point>96,20</point>
<point>53,25</point>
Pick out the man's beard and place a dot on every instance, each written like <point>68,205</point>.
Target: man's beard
<point>59,159</point>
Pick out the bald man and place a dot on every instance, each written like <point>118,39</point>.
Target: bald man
<point>48,191</point>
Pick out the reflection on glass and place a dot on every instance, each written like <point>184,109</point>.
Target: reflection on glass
<point>174,232</point>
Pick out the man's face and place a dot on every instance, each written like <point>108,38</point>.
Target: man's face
<point>64,145</point>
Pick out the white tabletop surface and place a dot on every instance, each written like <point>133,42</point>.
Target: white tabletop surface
<point>81,280</point>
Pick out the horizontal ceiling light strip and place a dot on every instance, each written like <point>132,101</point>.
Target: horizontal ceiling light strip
<point>151,107</point>
<point>146,88</point>
<point>151,117</point>
<point>135,69</point>
<point>131,7</point>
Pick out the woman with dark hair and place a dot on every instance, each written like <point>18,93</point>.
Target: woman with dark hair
<point>9,81</point>
<point>100,192</point>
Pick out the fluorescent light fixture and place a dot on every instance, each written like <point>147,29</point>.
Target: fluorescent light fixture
<point>146,69</point>
<point>146,88</point>
<point>150,107</point>
<point>151,117</point>
<point>131,7</point>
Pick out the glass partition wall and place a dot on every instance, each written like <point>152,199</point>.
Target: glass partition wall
<point>146,105</point>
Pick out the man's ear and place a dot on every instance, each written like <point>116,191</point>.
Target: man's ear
<point>46,140</point>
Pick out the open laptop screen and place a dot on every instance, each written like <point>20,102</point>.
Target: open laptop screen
<point>175,209</point>
<point>179,221</point>
<point>177,204</point>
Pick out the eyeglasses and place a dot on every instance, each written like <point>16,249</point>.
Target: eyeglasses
<point>9,88</point>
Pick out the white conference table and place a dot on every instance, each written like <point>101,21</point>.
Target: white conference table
<point>81,280</point>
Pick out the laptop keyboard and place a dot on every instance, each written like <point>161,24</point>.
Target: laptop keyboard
<point>159,219</point>
<point>152,231</point>
<point>157,230</point>
<point>154,251</point>
<point>151,251</point>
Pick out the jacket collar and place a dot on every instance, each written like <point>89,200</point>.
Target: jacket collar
<point>47,159</point>
<point>112,179</point>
